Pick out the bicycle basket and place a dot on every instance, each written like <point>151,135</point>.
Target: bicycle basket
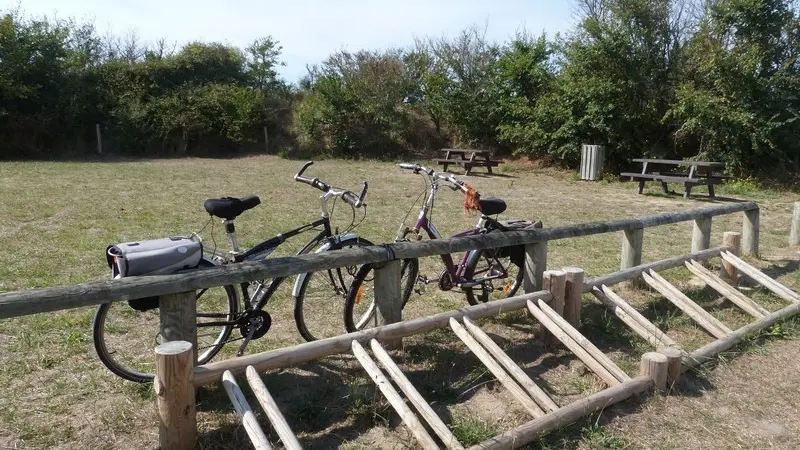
<point>152,257</point>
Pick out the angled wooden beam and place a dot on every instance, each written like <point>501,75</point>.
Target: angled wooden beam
<point>285,433</point>
<point>730,292</point>
<point>633,318</point>
<point>254,431</point>
<point>573,346</point>
<point>587,345</point>
<point>685,304</point>
<point>502,376</point>
<point>409,418</point>
<point>759,276</point>
<point>422,406</point>
<point>540,396</point>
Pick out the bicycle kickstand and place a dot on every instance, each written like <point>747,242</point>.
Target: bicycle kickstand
<point>247,340</point>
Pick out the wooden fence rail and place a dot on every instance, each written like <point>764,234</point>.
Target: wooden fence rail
<point>95,293</point>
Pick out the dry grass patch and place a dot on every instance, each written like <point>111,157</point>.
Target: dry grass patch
<point>56,219</point>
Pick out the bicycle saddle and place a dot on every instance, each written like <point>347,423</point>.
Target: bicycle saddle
<point>230,207</point>
<point>491,206</point>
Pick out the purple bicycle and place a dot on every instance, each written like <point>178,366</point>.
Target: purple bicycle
<point>482,275</point>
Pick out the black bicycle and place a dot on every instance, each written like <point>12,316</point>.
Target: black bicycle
<point>124,336</point>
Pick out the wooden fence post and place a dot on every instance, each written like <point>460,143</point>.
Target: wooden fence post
<point>174,386</point>
<point>674,364</point>
<point>178,314</point>
<point>732,240</point>
<point>655,366</point>
<point>631,255</point>
<point>573,295</point>
<point>388,297</point>
<point>555,281</point>
<point>794,236</point>
<point>701,234</point>
<point>750,229</point>
<point>535,265</point>
<point>266,140</point>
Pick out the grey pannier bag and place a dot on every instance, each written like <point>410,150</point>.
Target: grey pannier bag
<point>153,257</point>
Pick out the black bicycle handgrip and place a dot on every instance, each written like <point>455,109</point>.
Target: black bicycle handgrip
<point>303,169</point>
<point>350,198</point>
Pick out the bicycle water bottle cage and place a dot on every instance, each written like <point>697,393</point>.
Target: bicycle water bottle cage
<point>492,206</point>
<point>229,207</point>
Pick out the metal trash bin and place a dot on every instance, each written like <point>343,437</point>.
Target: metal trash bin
<point>592,159</point>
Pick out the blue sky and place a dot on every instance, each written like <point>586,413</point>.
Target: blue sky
<point>308,30</point>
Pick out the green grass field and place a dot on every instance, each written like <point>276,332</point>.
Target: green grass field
<point>56,219</point>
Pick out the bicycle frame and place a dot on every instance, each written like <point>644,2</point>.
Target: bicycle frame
<point>424,223</point>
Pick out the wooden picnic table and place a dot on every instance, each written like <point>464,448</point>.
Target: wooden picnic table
<point>699,173</point>
<point>468,158</point>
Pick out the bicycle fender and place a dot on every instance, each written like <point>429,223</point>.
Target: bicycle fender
<point>339,240</point>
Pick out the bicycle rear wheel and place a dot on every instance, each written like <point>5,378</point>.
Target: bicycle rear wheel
<point>360,311</point>
<point>124,338</point>
<point>495,274</point>
<point>319,297</point>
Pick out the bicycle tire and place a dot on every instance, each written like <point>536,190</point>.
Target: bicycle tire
<point>475,265</point>
<point>408,276</point>
<point>335,284</point>
<point>138,364</point>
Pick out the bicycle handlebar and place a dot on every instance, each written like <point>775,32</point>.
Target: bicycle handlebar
<point>348,196</point>
<point>454,182</point>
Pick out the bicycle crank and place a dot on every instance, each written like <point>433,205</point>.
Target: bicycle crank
<point>254,325</point>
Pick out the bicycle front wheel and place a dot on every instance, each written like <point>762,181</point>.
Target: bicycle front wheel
<point>360,311</point>
<point>319,297</point>
<point>491,275</point>
<point>124,338</point>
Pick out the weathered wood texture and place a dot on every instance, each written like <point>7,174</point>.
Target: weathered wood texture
<point>555,281</point>
<point>586,344</point>
<point>178,316</point>
<point>794,234</point>
<point>434,422</point>
<point>535,265</point>
<point>53,299</point>
<point>718,284</point>
<point>631,248</point>
<point>750,232</point>
<point>389,298</point>
<point>674,363</point>
<point>249,421</point>
<point>709,351</point>
<point>409,418</point>
<point>655,365</point>
<point>633,318</point>
<point>758,276</point>
<point>573,346</point>
<point>573,295</point>
<point>285,433</point>
<point>530,431</point>
<point>177,424</point>
<point>301,353</point>
<point>634,272</point>
<point>537,394</point>
<point>494,367</point>
<point>733,241</point>
<point>687,305</point>
<point>701,234</point>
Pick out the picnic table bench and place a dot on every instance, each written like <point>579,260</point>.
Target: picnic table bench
<point>699,173</point>
<point>468,158</point>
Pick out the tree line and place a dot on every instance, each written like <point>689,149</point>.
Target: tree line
<point>711,79</point>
